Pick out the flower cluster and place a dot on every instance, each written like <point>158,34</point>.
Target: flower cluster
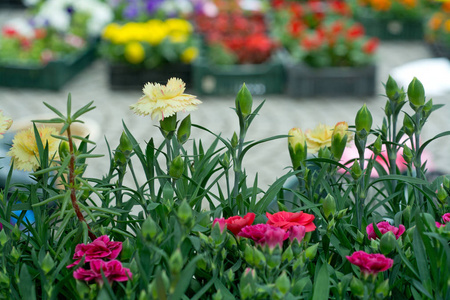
<point>384,227</point>
<point>5,123</point>
<point>370,264</point>
<point>445,219</point>
<point>132,10</point>
<point>240,38</point>
<point>438,26</point>
<point>101,255</point>
<point>152,43</point>
<point>398,9</point>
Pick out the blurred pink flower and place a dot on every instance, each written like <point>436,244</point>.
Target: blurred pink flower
<point>296,232</point>
<point>113,271</point>
<point>384,227</point>
<point>285,220</point>
<point>445,218</point>
<point>370,263</point>
<point>222,223</point>
<point>264,234</point>
<point>100,248</point>
<point>236,223</point>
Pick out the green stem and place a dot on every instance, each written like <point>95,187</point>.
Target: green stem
<point>238,166</point>
<point>417,158</point>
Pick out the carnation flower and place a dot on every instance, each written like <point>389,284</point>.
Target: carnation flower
<point>370,263</point>
<point>113,271</point>
<point>318,138</point>
<point>24,151</point>
<point>162,101</point>
<point>100,248</point>
<point>445,218</point>
<point>286,220</point>
<point>296,232</point>
<point>5,124</point>
<point>265,234</point>
<point>384,227</point>
<point>236,223</point>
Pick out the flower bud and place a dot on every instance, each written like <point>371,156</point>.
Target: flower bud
<point>442,194</point>
<point>4,279</point>
<point>339,140</point>
<point>408,125</point>
<point>288,254</point>
<point>15,233</point>
<point>329,206</point>
<point>357,287</point>
<point>14,255</point>
<point>283,284</point>
<point>446,182</point>
<point>359,237</point>
<point>324,152</point>
<point>63,150</point>
<point>311,251</point>
<point>168,126</point>
<point>248,255</point>
<point>244,101</point>
<point>225,161</point>
<point>125,145</point>
<point>234,140</point>
<point>331,225</point>
<point>143,295</point>
<point>387,243</point>
<point>416,93</point>
<point>342,213</point>
<point>184,130</point>
<point>120,159</point>
<point>176,168</point>
<point>47,264</point>
<point>387,109</point>
<point>363,120</point>
<point>356,170</point>
<point>184,212</point>
<point>217,295</point>
<point>392,90</point>
<point>383,289</point>
<point>428,108</point>
<point>127,250</point>
<point>3,238</point>
<point>407,154</point>
<point>149,228</point>
<point>297,147</point>
<point>406,214</point>
<point>377,145</point>
<point>176,262</point>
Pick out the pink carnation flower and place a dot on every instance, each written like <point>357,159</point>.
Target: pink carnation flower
<point>265,234</point>
<point>296,232</point>
<point>384,227</point>
<point>445,218</point>
<point>222,223</point>
<point>100,248</point>
<point>370,263</point>
<point>113,271</point>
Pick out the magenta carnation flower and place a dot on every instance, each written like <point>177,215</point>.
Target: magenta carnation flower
<point>384,227</point>
<point>113,271</point>
<point>100,248</point>
<point>370,263</point>
<point>265,234</point>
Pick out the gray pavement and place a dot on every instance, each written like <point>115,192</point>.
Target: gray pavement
<point>279,114</point>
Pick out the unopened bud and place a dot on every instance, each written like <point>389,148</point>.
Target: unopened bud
<point>168,125</point>
<point>383,289</point>
<point>217,295</point>
<point>234,140</point>
<point>387,109</point>
<point>342,213</point>
<point>297,147</point>
<point>184,130</point>
<point>14,255</point>
<point>244,101</point>
<point>176,168</point>
<point>283,283</point>
<point>363,120</point>
<point>329,206</point>
<point>359,237</point>
<point>324,152</point>
<point>407,154</point>
<point>356,170</point>
<point>47,263</point>
<point>3,238</point>
<point>149,228</point>
<point>427,108</point>
<point>125,145</point>
<point>339,140</point>
<point>392,90</point>
<point>387,243</point>
<point>408,125</point>
<point>64,149</point>
<point>446,182</point>
<point>377,145</point>
<point>416,93</point>
<point>127,250</point>
<point>184,212</point>
<point>176,262</point>
<point>311,251</point>
<point>357,287</point>
<point>225,161</point>
<point>16,233</point>
<point>288,254</point>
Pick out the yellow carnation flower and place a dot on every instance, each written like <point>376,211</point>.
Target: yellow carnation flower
<point>24,151</point>
<point>318,137</point>
<point>162,101</point>
<point>189,55</point>
<point>5,124</point>
<point>134,52</point>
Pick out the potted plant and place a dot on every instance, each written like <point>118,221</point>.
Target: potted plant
<point>437,32</point>
<point>236,49</point>
<point>391,19</point>
<point>154,50</point>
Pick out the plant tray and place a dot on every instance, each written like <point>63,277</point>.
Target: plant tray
<point>123,76</point>
<point>260,79</point>
<point>51,76</point>
<point>392,29</point>
<point>304,81</point>
<point>439,49</point>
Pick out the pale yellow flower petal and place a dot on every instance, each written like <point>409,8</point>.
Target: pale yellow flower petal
<point>318,138</point>
<point>5,124</point>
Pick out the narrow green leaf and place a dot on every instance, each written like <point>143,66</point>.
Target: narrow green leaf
<point>322,284</point>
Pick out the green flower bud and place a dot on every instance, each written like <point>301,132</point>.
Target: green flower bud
<point>442,194</point>
<point>383,289</point>
<point>416,93</point>
<point>149,228</point>
<point>120,159</point>
<point>363,120</point>
<point>176,262</point>
<point>356,170</point>
<point>143,295</point>
<point>184,212</point>
<point>176,168</point>
<point>392,90</point>
<point>230,274</point>
<point>14,255</point>
<point>374,244</point>
<point>331,225</point>
<point>427,108</point>
<point>125,145</point>
<point>342,213</point>
<point>446,182</point>
<point>248,255</point>
<point>408,125</point>
<point>406,214</point>
<point>297,147</point>
<point>3,238</point>
<point>244,101</point>
<point>387,243</point>
<point>168,126</point>
<point>127,250</point>
<point>283,283</point>
<point>339,140</point>
<point>260,259</point>
<point>357,287</point>
<point>407,154</point>
<point>64,149</point>
<point>225,161</point>
<point>288,254</point>
<point>387,109</point>
<point>359,237</point>
<point>82,289</point>
<point>311,251</point>
<point>184,131</point>
<point>217,295</point>
<point>47,264</point>
<point>247,292</point>
<point>324,152</point>
<point>4,279</point>
<point>377,145</point>
<point>234,140</point>
<point>408,253</point>
<point>16,233</point>
<point>329,206</point>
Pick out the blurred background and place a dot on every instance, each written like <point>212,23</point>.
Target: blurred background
<point>310,61</point>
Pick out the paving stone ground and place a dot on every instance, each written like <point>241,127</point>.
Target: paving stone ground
<point>279,114</point>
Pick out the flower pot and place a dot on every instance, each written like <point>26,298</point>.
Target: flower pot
<point>305,81</point>
<point>51,76</point>
<point>260,79</point>
<point>389,28</point>
<point>123,76</point>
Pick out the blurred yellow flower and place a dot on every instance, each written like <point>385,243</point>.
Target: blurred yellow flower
<point>436,21</point>
<point>5,124</point>
<point>447,26</point>
<point>134,52</point>
<point>189,54</point>
<point>24,151</point>
<point>162,101</point>
<point>178,37</point>
<point>179,25</point>
<point>318,137</point>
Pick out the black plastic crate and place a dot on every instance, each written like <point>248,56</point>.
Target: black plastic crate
<point>122,76</point>
<point>387,28</point>
<point>305,81</point>
<point>52,76</point>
